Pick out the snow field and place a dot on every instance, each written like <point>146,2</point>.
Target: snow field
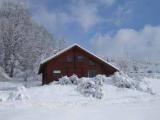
<point>63,100</point>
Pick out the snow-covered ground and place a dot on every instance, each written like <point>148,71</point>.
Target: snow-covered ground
<point>61,102</point>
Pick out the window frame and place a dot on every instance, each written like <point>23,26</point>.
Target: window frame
<point>57,73</point>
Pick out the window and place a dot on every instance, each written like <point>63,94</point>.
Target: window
<point>57,73</point>
<point>69,58</point>
<point>80,58</point>
<point>91,63</point>
<point>92,73</point>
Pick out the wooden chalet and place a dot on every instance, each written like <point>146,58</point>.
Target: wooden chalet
<point>74,60</point>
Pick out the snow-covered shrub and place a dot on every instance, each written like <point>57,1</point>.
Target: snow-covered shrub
<point>64,80</point>
<point>123,81</point>
<point>98,93</point>
<point>144,85</point>
<point>89,87</point>
<point>93,86</point>
<point>68,80</point>
<point>99,79</point>
<point>86,86</point>
<point>74,79</point>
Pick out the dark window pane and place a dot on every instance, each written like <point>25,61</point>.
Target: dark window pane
<point>69,58</point>
<point>57,75</point>
<point>80,58</point>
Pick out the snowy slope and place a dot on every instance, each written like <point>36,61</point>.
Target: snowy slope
<point>61,102</point>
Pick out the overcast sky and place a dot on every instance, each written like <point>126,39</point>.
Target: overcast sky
<point>107,27</point>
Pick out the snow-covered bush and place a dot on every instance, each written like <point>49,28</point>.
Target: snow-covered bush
<point>64,80</point>
<point>90,87</point>
<point>86,86</point>
<point>99,79</point>
<point>74,79</point>
<point>69,80</point>
<point>122,80</point>
<point>144,85</point>
<point>93,86</point>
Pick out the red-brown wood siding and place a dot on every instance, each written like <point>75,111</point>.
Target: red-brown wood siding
<point>69,68</point>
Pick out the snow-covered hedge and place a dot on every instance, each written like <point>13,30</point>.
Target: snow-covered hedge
<point>69,80</point>
<point>93,86</point>
<point>86,86</point>
<point>64,81</point>
<point>123,81</point>
<point>144,85</point>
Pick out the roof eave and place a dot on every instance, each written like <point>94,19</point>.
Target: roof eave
<point>40,69</point>
<point>68,48</point>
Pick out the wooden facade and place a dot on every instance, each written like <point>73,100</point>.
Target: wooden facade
<point>74,60</point>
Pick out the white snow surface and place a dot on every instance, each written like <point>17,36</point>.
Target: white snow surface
<point>64,102</point>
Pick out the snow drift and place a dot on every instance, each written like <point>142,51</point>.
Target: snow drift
<point>12,92</point>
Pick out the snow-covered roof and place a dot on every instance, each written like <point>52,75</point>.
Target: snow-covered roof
<point>58,53</point>
<point>70,47</point>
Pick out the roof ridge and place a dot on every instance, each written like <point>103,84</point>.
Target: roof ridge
<point>65,49</point>
<point>71,46</point>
